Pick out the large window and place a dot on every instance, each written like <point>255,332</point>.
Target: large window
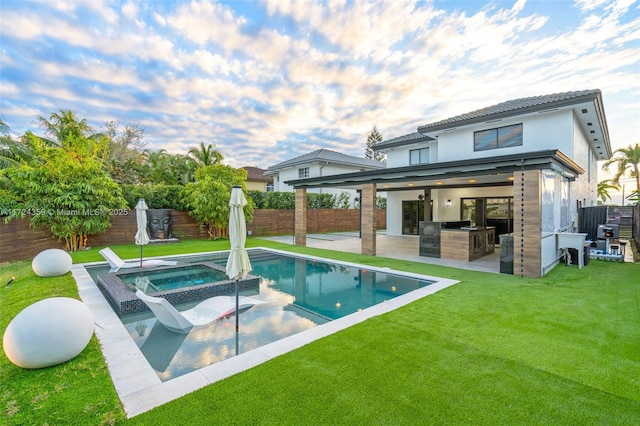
<point>303,172</point>
<point>419,156</point>
<point>501,137</point>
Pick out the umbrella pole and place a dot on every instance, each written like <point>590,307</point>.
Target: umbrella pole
<point>237,305</point>
<point>141,256</point>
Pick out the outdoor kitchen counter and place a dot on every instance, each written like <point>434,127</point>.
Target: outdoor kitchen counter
<point>467,244</point>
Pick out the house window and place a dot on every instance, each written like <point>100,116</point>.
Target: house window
<point>501,137</point>
<point>269,186</point>
<point>419,156</point>
<point>303,172</point>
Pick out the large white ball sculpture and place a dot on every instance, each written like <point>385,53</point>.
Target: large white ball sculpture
<point>51,263</point>
<point>49,332</point>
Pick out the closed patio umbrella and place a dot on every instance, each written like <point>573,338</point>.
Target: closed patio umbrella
<point>238,264</point>
<point>142,238</point>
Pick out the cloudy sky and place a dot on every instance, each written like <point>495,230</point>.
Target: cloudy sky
<point>265,81</point>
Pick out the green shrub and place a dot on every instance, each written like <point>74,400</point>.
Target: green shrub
<point>156,196</point>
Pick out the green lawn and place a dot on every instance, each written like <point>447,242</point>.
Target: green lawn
<point>493,349</point>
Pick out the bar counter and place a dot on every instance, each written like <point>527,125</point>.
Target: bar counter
<point>467,244</point>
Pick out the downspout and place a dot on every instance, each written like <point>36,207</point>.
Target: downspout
<point>326,163</point>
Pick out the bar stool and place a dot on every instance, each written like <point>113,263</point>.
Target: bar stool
<point>623,247</point>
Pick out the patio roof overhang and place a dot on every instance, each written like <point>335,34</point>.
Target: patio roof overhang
<point>494,171</point>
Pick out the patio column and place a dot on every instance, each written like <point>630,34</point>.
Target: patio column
<point>527,223</point>
<point>300,233</point>
<point>368,224</point>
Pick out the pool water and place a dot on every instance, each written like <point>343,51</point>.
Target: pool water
<point>299,294</point>
<point>170,279</point>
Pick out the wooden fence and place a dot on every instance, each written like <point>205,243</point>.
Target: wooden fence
<point>18,241</point>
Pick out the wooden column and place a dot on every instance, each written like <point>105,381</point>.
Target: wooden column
<point>368,225</point>
<point>300,236</point>
<point>527,224</point>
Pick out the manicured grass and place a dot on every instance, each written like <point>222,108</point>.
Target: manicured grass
<point>493,349</point>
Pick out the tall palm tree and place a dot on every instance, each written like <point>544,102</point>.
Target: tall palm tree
<point>603,190</point>
<point>206,155</point>
<point>627,161</point>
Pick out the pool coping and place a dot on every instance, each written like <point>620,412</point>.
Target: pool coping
<point>138,386</point>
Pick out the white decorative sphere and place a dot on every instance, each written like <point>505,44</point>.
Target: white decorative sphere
<point>51,263</point>
<point>49,332</point>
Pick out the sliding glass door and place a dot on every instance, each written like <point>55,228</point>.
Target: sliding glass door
<point>412,214</point>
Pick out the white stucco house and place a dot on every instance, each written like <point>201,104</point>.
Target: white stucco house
<point>320,163</point>
<point>522,167</point>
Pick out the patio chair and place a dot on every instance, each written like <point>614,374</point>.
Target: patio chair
<point>116,263</point>
<point>203,313</point>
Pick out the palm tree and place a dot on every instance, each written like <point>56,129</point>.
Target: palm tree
<point>628,162</point>
<point>206,155</point>
<point>603,190</point>
<point>12,152</point>
<point>64,127</point>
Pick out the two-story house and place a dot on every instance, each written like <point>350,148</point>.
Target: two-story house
<point>318,164</point>
<point>522,167</point>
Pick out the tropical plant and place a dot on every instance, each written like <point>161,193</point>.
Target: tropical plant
<point>125,151</point>
<point>603,190</point>
<point>65,189</point>
<point>207,199</point>
<point>156,196</point>
<point>374,138</point>
<point>342,201</point>
<point>627,161</point>
<point>205,155</point>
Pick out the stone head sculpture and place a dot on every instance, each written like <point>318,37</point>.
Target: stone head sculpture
<point>159,224</point>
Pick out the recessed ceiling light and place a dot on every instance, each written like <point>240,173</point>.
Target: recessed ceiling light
<point>510,178</point>
<point>409,184</point>
<point>473,180</point>
<point>438,183</point>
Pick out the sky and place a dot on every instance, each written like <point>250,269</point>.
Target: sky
<point>266,81</point>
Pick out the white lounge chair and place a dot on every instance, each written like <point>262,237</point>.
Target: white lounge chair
<point>203,313</point>
<point>116,263</point>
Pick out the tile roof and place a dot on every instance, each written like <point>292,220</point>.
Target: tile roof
<point>330,156</point>
<point>403,140</point>
<point>513,107</point>
<point>256,174</point>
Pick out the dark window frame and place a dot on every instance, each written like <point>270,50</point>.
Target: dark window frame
<point>420,159</point>
<point>498,137</point>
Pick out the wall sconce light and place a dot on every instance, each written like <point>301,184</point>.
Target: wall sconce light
<point>421,197</point>
<point>448,204</point>
<point>356,199</point>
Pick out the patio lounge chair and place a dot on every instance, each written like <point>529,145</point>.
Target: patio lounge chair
<point>203,313</point>
<point>116,263</point>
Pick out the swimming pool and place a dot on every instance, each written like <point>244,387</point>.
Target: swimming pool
<point>138,385</point>
<point>300,293</point>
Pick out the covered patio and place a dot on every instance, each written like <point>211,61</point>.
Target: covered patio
<point>520,176</point>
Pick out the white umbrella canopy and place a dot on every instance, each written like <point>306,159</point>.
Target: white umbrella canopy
<point>142,238</point>
<point>238,264</point>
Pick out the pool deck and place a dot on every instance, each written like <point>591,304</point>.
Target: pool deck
<point>140,389</point>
